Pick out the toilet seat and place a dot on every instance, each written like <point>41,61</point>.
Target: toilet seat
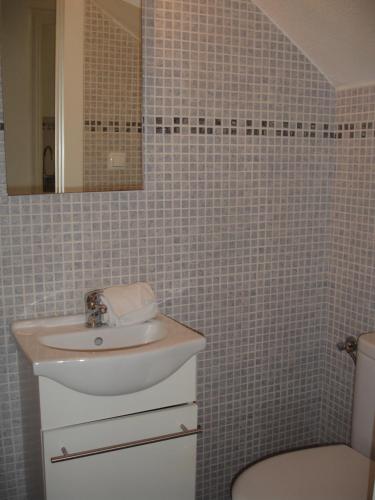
<point>324,473</point>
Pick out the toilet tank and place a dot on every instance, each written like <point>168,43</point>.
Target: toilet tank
<point>363,428</point>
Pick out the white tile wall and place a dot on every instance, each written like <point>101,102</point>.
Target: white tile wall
<point>231,230</point>
<point>351,277</point>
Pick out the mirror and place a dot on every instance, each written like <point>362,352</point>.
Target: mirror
<point>72,80</point>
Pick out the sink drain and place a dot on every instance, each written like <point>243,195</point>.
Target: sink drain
<point>98,341</point>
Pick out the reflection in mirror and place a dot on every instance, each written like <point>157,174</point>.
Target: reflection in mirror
<point>74,66</point>
<point>28,56</point>
<point>112,95</point>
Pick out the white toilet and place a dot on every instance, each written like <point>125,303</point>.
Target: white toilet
<point>336,472</point>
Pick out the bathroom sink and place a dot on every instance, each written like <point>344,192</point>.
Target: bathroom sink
<point>106,361</point>
<point>101,339</point>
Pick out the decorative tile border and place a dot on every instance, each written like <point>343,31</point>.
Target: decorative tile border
<point>248,127</point>
<point>360,130</point>
<point>272,128</point>
<point>112,126</point>
<point>218,126</point>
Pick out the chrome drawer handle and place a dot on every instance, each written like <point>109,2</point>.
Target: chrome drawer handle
<point>123,446</point>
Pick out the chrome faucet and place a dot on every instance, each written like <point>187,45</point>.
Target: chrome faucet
<point>95,309</point>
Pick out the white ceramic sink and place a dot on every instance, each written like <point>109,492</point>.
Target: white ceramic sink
<point>104,338</point>
<point>127,360</point>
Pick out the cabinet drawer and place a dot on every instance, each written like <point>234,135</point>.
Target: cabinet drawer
<point>138,457</point>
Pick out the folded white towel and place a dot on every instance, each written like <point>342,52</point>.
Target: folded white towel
<point>130,304</point>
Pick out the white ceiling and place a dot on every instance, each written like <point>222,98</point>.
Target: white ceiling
<point>338,36</point>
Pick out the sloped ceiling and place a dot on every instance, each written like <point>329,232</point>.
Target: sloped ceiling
<point>338,36</point>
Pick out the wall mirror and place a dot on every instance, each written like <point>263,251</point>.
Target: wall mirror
<point>72,84</point>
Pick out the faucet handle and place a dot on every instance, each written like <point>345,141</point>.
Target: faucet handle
<point>102,308</point>
<point>92,299</point>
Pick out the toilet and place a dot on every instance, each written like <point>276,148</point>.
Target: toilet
<point>334,472</point>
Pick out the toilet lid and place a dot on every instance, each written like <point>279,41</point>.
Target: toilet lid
<point>324,473</point>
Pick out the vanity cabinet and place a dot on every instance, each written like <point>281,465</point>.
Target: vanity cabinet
<point>138,446</point>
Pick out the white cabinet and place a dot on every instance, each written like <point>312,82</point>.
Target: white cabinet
<point>138,446</point>
<point>156,462</point>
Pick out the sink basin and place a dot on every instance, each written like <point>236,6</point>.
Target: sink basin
<point>104,339</point>
<point>106,361</point>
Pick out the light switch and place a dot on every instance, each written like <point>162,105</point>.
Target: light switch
<point>116,161</point>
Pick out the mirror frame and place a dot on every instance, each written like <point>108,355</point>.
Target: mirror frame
<point>69,93</point>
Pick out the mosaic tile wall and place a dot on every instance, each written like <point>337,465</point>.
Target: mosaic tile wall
<point>231,230</point>
<point>112,102</point>
<point>351,277</point>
